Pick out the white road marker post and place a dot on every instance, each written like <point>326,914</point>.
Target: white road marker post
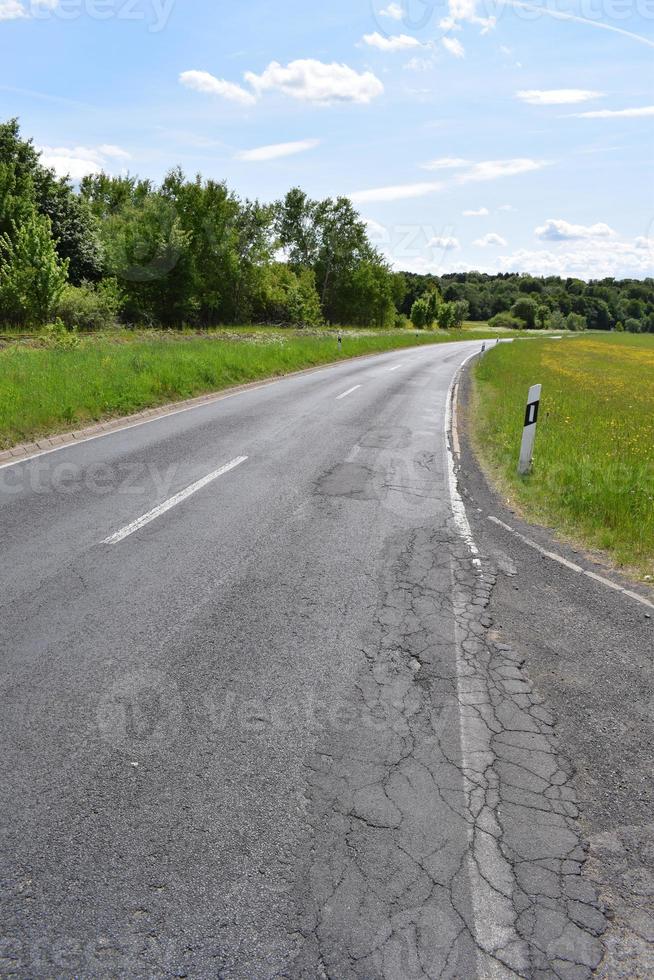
<point>529,432</point>
<point>340,341</point>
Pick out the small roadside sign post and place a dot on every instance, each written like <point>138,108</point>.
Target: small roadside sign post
<point>340,341</point>
<point>529,432</point>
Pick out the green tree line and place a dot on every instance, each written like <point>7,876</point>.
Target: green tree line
<point>519,301</point>
<point>188,251</point>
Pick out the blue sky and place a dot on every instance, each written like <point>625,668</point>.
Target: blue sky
<point>498,136</point>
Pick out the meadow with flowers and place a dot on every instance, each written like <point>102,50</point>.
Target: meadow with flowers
<point>593,472</point>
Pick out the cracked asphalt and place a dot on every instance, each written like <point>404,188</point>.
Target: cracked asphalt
<point>277,731</point>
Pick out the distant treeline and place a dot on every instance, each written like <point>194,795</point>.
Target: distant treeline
<point>528,301</point>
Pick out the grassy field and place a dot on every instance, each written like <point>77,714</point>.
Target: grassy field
<point>593,474</point>
<point>45,390</point>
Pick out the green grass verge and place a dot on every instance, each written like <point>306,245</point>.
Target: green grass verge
<point>44,391</point>
<point>593,474</point>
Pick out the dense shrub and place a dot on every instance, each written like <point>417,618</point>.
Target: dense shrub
<point>90,306</point>
<point>421,316</point>
<point>576,322</point>
<point>506,321</point>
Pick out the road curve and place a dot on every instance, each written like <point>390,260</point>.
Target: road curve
<point>254,722</point>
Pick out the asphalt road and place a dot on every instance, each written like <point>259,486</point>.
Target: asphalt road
<point>269,732</point>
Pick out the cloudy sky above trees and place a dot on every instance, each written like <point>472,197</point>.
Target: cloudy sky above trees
<point>504,136</point>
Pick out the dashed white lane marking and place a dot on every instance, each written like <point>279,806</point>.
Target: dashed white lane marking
<point>396,368</point>
<point>571,565</point>
<point>172,502</point>
<point>346,393</point>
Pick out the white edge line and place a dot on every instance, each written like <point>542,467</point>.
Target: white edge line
<point>571,565</point>
<point>172,502</point>
<point>346,393</point>
<point>473,731</point>
<point>458,507</point>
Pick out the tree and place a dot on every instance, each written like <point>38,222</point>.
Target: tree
<point>19,163</point>
<point>420,314</point>
<point>525,310</point>
<point>147,251</point>
<point>26,185</point>
<point>32,276</point>
<point>461,312</point>
<point>542,314</point>
<point>74,228</point>
<point>433,300</point>
<point>447,316</point>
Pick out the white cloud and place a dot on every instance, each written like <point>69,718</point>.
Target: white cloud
<point>79,161</point>
<point>491,239</point>
<point>466,10</point>
<point>17,10</point>
<point>394,11</point>
<point>494,169</point>
<point>479,213</point>
<point>314,81</point>
<point>394,42</point>
<point>202,81</point>
<point>445,163</point>
<point>276,150</point>
<point>12,10</point>
<point>558,230</point>
<point>591,259</point>
<point>398,192</point>
<point>454,46</point>
<point>445,242</point>
<point>420,64</point>
<point>117,152</point>
<point>486,170</point>
<point>557,96</point>
<point>637,113</point>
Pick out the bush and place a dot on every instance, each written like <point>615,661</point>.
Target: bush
<point>576,321</point>
<point>90,307</point>
<point>633,326</point>
<point>505,321</point>
<point>402,321</point>
<point>421,314</point>
<point>446,317</point>
<point>56,336</point>
<point>556,321</point>
<point>286,296</point>
<point>619,327</point>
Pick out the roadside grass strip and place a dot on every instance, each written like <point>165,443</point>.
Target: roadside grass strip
<point>593,470</point>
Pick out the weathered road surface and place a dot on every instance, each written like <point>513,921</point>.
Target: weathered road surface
<point>268,733</point>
